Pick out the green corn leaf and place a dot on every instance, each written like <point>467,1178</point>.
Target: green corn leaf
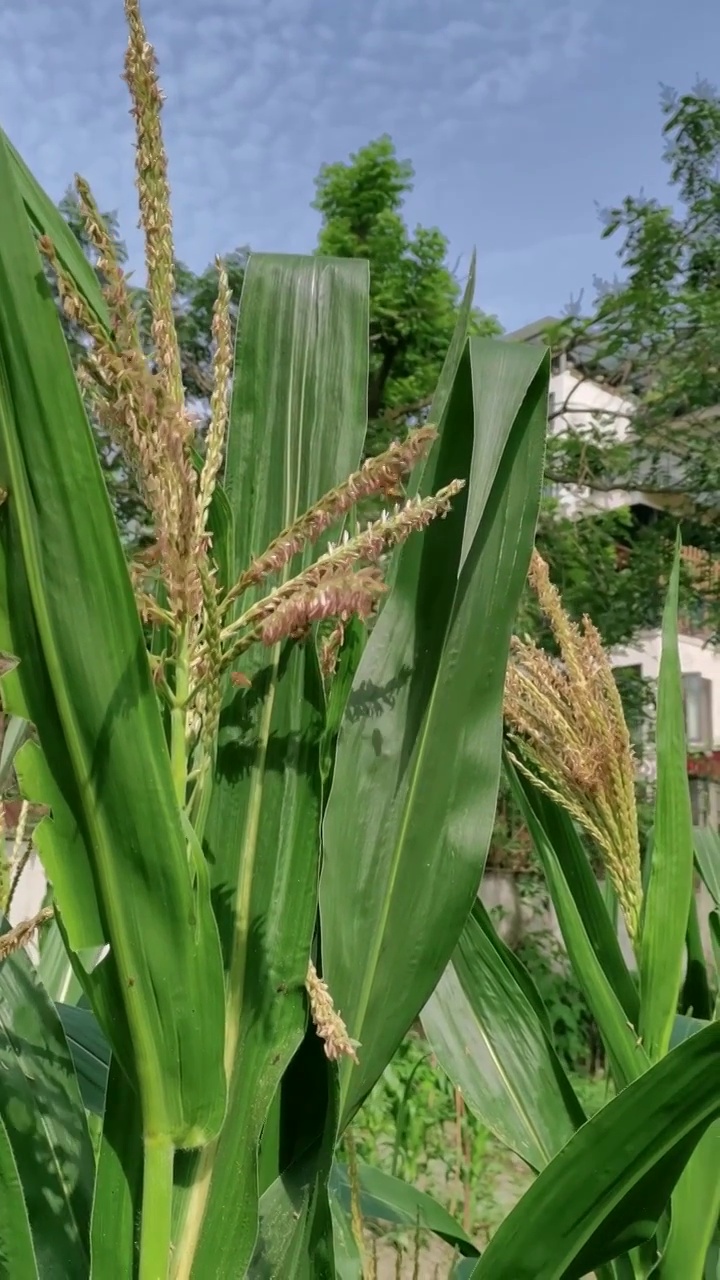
<point>668,896</point>
<point>463,1269</point>
<point>115,849</point>
<point>117,1207</point>
<point>684,1027</point>
<point>411,808</point>
<point>606,1190</point>
<point>90,1054</point>
<point>490,1041</point>
<point>714,923</point>
<point>55,969</point>
<point>695,1212</point>
<point>47,220</point>
<point>595,909</point>
<point>712,1262</point>
<point>285,1246</point>
<point>590,941</point>
<point>44,1122</point>
<point>295,1235</point>
<point>706,843</point>
<point>387,1199</point>
<point>696,1199</point>
<point>297,426</point>
<point>696,995</point>
<point>17,1257</point>
<point>356,632</point>
<point>348,1263</point>
<point>17,732</point>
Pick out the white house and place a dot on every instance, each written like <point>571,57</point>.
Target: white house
<point>577,402</point>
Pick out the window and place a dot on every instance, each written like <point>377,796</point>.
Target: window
<point>697,700</point>
<point>700,801</point>
<point>559,363</point>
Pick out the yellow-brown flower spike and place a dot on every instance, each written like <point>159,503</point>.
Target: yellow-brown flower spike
<point>154,196</point>
<point>219,401</point>
<point>378,475</point>
<point>566,722</point>
<point>328,1023</point>
<point>171,476</point>
<point>23,933</point>
<point>365,549</point>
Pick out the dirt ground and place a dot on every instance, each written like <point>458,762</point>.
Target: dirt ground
<point>392,1256</point>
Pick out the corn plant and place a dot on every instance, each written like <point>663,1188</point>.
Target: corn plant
<point>635,1190</point>
<point>268,749</point>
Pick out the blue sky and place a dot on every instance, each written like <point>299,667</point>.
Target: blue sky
<point>520,117</point>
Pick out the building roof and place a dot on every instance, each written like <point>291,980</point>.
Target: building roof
<point>534,330</point>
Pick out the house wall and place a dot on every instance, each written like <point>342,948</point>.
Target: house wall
<point>518,914</point>
<point>588,406</point>
<point>696,656</point>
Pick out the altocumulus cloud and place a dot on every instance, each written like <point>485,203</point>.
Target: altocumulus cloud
<point>261,92</point>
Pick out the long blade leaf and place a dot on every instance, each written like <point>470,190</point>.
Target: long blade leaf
<point>417,766</point>
<point>47,220</point>
<point>17,1258</point>
<point>115,850</point>
<point>298,420</point>
<point>607,1188</point>
<point>627,1056</point>
<point>488,1038</point>
<point>669,892</point>
<point>44,1121</point>
<point>389,1199</point>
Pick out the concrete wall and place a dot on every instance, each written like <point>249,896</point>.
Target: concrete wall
<point>520,916</point>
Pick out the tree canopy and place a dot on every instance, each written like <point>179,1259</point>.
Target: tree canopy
<point>414,293</point>
<point>652,333</point>
<point>651,337</point>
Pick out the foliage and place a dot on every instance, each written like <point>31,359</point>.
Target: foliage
<point>415,1124</point>
<point>648,337</point>
<point>253,823</point>
<point>651,338</point>
<point>200,742</point>
<point>573,1029</point>
<point>662,1215</point>
<point>414,296</point>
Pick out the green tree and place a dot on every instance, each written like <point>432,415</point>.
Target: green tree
<point>414,294</point>
<point>651,336</point>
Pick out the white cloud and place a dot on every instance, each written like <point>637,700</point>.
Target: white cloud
<point>260,94</point>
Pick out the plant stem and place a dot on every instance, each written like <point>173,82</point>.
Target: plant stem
<point>178,754</point>
<point>155,1230</point>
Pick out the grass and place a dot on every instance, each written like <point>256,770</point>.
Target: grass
<point>416,1126</point>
